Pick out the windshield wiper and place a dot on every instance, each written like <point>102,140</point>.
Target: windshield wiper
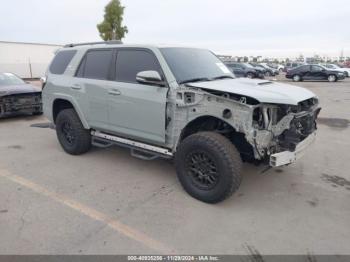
<point>222,77</point>
<point>198,79</point>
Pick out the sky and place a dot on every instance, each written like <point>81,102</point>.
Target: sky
<point>270,28</point>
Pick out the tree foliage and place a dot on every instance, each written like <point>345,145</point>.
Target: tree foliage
<point>111,28</point>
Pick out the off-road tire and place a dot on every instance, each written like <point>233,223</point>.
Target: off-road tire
<point>226,158</point>
<point>82,137</point>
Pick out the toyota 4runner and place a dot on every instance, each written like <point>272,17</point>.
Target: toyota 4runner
<point>177,103</point>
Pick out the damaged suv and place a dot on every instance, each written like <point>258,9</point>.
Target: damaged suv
<point>180,103</point>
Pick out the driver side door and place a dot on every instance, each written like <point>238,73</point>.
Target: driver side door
<point>317,73</point>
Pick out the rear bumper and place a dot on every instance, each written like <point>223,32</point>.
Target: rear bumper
<point>288,157</point>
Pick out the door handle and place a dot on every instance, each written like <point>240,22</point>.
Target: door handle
<point>114,92</point>
<point>76,87</point>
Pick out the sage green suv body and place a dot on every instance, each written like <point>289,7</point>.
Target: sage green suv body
<point>176,102</point>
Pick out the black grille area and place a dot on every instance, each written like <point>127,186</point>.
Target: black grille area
<point>20,102</point>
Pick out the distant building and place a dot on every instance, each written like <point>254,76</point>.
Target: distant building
<point>27,60</point>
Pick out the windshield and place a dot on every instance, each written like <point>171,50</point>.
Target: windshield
<point>7,79</point>
<point>192,64</point>
<point>333,66</point>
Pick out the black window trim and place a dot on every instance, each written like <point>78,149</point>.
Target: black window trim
<point>139,49</point>
<point>82,63</point>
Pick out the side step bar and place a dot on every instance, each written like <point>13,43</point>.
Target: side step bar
<point>148,152</point>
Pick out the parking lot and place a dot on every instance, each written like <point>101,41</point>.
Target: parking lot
<point>107,202</point>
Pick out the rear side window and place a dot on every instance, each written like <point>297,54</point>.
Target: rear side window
<point>60,62</point>
<point>131,62</point>
<point>96,65</point>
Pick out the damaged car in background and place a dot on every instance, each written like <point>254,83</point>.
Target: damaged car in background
<point>18,97</point>
<point>177,103</point>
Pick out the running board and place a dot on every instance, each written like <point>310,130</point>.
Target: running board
<point>105,140</point>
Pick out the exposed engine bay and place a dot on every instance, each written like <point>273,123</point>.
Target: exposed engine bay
<point>285,126</point>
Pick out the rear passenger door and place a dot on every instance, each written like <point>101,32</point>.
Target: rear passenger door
<point>92,79</point>
<point>137,110</point>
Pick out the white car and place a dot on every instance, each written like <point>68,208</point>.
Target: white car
<point>279,67</point>
<point>346,71</point>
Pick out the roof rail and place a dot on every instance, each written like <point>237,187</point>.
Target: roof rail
<point>111,42</point>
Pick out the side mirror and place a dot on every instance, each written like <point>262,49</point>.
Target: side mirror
<point>150,78</point>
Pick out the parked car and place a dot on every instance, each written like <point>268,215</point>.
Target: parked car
<point>291,65</point>
<point>279,67</point>
<point>314,72</point>
<point>259,68</point>
<point>335,67</point>
<point>346,64</point>
<point>244,70</point>
<point>269,70</point>
<point>18,97</point>
<point>176,103</point>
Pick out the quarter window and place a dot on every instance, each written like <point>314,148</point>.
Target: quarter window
<point>131,62</point>
<point>60,62</point>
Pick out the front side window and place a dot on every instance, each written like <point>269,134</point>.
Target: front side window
<point>131,62</point>
<point>96,65</point>
<point>61,61</point>
<point>316,68</point>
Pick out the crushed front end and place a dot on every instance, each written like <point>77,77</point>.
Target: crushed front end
<point>283,132</point>
<point>27,103</point>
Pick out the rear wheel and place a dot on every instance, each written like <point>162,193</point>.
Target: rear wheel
<point>71,134</point>
<point>296,78</point>
<point>208,167</point>
<point>332,78</point>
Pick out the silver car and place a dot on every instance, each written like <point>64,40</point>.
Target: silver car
<point>176,103</point>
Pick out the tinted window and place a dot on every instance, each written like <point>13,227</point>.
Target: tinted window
<point>131,62</point>
<point>304,68</point>
<point>96,65</point>
<point>61,61</point>
<point>316,68</point>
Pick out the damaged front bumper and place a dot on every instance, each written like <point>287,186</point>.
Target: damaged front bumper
<point>288,157</point>
<point>18,104</point>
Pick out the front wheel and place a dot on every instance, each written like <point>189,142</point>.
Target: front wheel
<point>332,78</point>
<point>208,167</point>
<point>71,134</point>
<point>296,78</point>
<point>250,75</point>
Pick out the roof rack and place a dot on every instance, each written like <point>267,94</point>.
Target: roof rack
<point>111,42</point>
